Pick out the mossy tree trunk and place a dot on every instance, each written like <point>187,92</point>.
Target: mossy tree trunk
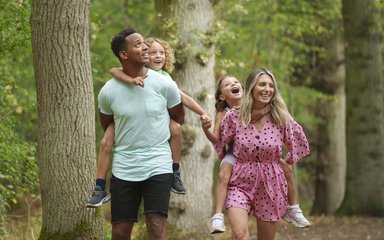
<point>191,22</point>
<point>66,135</point>
<point>331,144</point>
<point>365,108</point>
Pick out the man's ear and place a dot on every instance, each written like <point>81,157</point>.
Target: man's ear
<point>123,55</point>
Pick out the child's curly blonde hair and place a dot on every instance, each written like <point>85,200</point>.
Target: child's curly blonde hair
<point>169,54</point>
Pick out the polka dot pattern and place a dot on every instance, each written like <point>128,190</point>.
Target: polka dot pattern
<point>258,184</point>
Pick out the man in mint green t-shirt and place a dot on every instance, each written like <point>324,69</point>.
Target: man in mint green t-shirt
<point>142,163</point>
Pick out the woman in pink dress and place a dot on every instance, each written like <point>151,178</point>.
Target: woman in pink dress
<point>257,185</point>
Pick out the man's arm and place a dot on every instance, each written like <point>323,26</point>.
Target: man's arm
<point>105,120</point>
<point>176,113</point>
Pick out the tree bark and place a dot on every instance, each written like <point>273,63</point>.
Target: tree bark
<point>331,146</point>
<point>66,136</point>
<point>365,108</point>
<point>195,76</point>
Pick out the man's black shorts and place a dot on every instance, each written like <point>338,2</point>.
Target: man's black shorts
<point>126,197</point>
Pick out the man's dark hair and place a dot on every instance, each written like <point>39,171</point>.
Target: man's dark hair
<point>118,42</point>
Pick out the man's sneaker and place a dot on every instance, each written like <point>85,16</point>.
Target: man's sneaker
<point>177,185</point>
<point>98,198</point>
<point>217,223</point>
<point>296,217</point>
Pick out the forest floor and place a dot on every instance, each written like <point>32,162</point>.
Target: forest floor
<point>25,224</point>
<point>328,228</point>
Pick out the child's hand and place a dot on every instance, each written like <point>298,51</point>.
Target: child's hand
<point>139,81</point>
<point>287,168</point>
<point>119,74</point>
<point>206,121</point>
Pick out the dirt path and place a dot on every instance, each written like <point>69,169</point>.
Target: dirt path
<point>340,228</point>
<point>328,228</point>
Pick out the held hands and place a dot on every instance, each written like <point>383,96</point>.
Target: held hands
<point>206,121</point>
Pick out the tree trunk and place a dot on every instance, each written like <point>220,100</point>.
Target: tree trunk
<point>331,147</point>
<point>365,108</point>
<point>195,76</point>
<point>66,135</point>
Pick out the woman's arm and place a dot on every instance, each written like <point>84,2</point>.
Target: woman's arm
<point>120,75</point>
<point>191,104</point>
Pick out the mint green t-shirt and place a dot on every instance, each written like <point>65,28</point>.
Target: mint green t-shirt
<point>141,125</point>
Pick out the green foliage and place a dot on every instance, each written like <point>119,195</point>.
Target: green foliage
<point>16,65</point>
<point>18,170</point>
<point>17,74</point>
<point>275,34</point>
<point>14,27</point>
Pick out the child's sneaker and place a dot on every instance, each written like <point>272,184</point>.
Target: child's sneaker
<point>217,223</point>
<point>177,185</point>
<point>296,217</point>
<point>98,198</point>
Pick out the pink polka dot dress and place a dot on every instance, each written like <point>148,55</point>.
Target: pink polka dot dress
<point>258,184</point>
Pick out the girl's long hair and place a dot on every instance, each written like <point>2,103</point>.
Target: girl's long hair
<point>220,105</point>
<point>279,111</point>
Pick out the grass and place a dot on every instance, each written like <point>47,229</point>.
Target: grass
<point>24,221</point>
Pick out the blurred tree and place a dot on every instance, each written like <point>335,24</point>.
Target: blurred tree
<point>329,78</point>
<point>312,32</point>
<point>365,107</point>
<point>189,26</point>
<point>66,154</point>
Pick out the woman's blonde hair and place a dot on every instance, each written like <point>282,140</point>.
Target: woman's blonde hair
<point>169,54</point>
<point>279,110</point>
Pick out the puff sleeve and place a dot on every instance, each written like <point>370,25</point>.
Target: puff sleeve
<point>227,133</point>
<point>296,142</point>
